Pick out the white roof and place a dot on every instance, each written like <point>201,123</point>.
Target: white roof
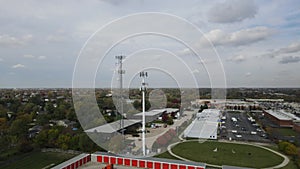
<point>205,125</point>
<point>283,115</point>
<point>113,127</point>
<point>157,112</point>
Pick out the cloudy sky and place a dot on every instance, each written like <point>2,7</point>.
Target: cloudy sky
<point>256,43</point>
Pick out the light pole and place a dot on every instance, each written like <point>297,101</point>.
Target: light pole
<point>143,75</point>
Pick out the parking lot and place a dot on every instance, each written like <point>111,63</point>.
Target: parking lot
<point>239,126</point>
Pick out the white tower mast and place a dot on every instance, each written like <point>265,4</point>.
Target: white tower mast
<point>143,75</point>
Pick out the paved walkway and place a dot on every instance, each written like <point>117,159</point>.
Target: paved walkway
<point>155,133</point>
<point>284,162</point>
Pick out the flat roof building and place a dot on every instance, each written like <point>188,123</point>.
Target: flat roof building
<point>205,125</point>
<point>281,117</point>
<point>110,128</point>
<point>154,114</point>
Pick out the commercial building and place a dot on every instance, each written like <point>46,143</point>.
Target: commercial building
<point>281,117</point>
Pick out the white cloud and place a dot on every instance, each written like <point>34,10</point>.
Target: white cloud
<point>184,52</point>
<point>292,48</point>
<point>1,59</point>
<point>232,11</point>
<point>248,74</point>
<point>55,38</point>
<point>7,40</point>
<point>238,58</point>
<point>29,56</point>
<point>115,2</point>
<point>238,38</point>
<point>289,59</point>
<point>41,57</point>
<point>18,66</point>
<point>229,24</point>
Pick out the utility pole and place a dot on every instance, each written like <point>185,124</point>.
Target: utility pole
<point>121,72</point>
<point>143,75</point>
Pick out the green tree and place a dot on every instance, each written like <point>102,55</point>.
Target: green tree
<point>19,126</point>
<point>24,146</point>
<point>60,112</point>
<point>137,104</point>
<point>42,119</point>
<point>52,136</point>
<point>291,149</point>
<point>86,144</point>
<point>29,107</point>
<point>288,148</point>
<point>74,142</point>
<point>42,138</point>
<point>49,107</point>
<point>63,141</point>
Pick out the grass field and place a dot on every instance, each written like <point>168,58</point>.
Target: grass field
<point>36,160</point>
<point>227,154</point>
<point>287,132</point>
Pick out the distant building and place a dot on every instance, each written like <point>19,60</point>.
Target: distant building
<point>281,117</point>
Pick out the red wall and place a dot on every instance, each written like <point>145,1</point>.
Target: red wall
<point>149,164</point>
<point>296,127</point>
<point>80,162</point>
<point>142,163</point>
<point>120,161</point>
<point>157,165</point>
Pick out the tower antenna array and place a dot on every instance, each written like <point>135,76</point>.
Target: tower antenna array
<point>121,72</point>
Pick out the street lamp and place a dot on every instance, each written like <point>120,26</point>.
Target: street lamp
<point>143,75</point>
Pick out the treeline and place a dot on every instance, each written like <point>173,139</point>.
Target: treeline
<point>290,150</point>
<point>20,112</point>
<point>59,137</point>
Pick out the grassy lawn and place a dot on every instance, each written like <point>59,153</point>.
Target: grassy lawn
<point>287,132</point>
<point>227,154</point>
<point>8,153</point>
<point>37,160</point>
